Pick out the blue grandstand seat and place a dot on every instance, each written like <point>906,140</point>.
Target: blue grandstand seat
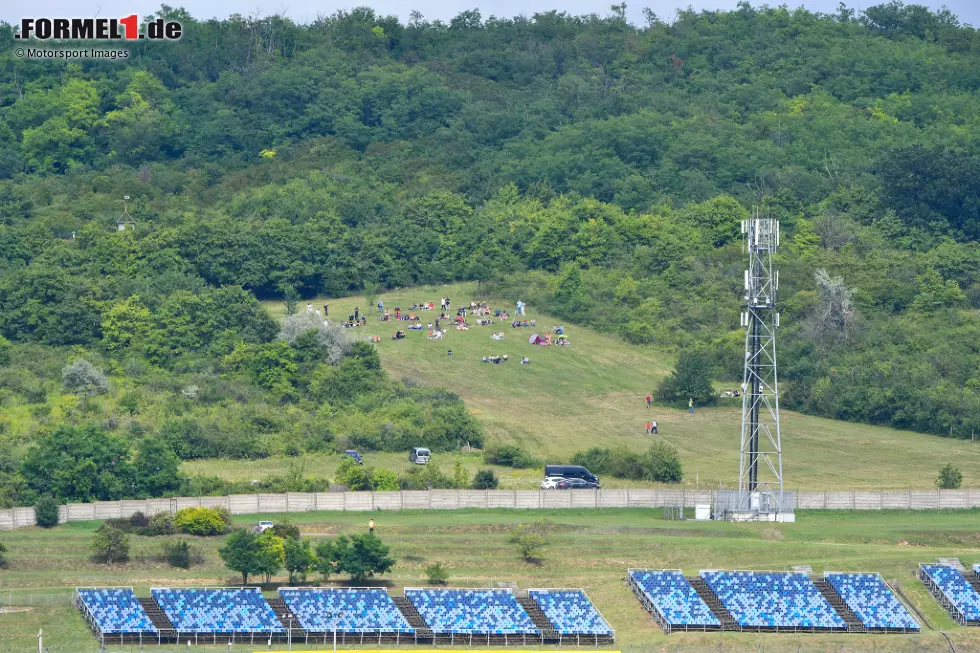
<point>116,610</point>
<point>475,611</point>
<point>225,610</point>
<point>672,595</point>
<point>955,588</point>
<point>355,610</point>
<point>570,612</point>
<point>872,601</point>
<point>760,599</point>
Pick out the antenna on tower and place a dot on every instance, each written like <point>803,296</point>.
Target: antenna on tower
<point>125,221</point>
<point>760,495</point>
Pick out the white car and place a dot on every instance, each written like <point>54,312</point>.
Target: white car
<point>550,482</point>
<point>264,526</point>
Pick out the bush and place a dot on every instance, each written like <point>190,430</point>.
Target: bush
<point>3,558</point>
<point>620,463</point>
<point>510,456</point>
<point>485,480</point>
<point>353,476</point>
<point>530,544</point>
<point>330,340</point>
<point>178,554</point>
<point>110,544</point>
<point>46,512</point>
<point>286,530</point>
<point>437,574</point>
<point>224,513</point>
<point>81,376</point>
<point>384,480</point>
<point>200,521</point>
<point>663,463</point>
<point>950,478</point>
<point>161,523</point>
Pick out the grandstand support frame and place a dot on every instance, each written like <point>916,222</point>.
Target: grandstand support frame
<point>578,641</point>
<point>955,612</point>
<point>654,609</point>
<point>758,499</point>
<point>879,631</point>
<point>133,638</point>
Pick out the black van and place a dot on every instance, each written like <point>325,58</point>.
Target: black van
<point>570,471</point>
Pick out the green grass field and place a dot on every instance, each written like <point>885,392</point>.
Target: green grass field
<point>587,549</point>
<point>592,394</point>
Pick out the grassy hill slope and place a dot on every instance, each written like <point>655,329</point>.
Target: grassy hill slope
<point>592,394</point>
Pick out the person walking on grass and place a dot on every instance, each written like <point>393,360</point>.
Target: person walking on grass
<point>648,428</point>
<point>653,427</point>
<point>357,313</point>
<point>381,306</point>
<point>371,526</point>
<point>649,400</point>
<point>690,405</point>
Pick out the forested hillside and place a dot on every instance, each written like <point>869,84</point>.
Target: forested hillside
<point>595,168</point>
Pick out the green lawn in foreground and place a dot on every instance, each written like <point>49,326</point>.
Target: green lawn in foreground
<point>590,549</point>
<point>592,394</point>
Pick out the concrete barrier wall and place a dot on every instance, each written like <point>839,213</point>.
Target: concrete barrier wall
<point>251,504</point>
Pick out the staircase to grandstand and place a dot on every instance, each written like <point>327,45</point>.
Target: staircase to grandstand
<point>285,616</point>
<point>973,577</point>
<point>540,620</point>
<point>717,609</point>
<point>854,624</point>
<point>157,617</point>
<point>414,619</point>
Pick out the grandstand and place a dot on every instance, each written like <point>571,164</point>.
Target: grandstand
<point>229,612</point>
<point>773,601</point>
<point>872,602</point>
<point>671,600</point>
<point>459,615</point>
<point>354,614</point>
<point>572,615</point>
<point>953,591</point>
<point>115,615</point>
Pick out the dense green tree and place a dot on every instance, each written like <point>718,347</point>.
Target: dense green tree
<point>80,463</point>
<point>242,552</point>
<point>690,380</point>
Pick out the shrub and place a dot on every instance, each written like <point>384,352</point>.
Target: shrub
<point>178,554</point>
<point>110,544</point>
<point>224,513</point>
<point>384,480</point>
<point>353,476</point>
<point>510,456</point>
<point>950,478</point>
<point>161,523</point>
<point>330,340</point>
<point>46,512</point>
<point>620,463</point>
<point>3,558</point>
<point>663,464</point>
<point>437,574</point>
<point>485,480</point>
<point>530,544</point>
<point>81,376</point>
<point>286,530</point>
<point>200,521</point>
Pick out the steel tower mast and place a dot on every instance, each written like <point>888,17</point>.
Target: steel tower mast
<point>760,479</point>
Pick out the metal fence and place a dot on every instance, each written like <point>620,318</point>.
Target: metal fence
<point>248,504</point>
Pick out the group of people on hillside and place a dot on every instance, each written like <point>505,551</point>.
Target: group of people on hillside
<point>523,323</point>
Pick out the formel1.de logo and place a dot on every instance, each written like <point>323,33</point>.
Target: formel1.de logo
<point>97,29</point>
